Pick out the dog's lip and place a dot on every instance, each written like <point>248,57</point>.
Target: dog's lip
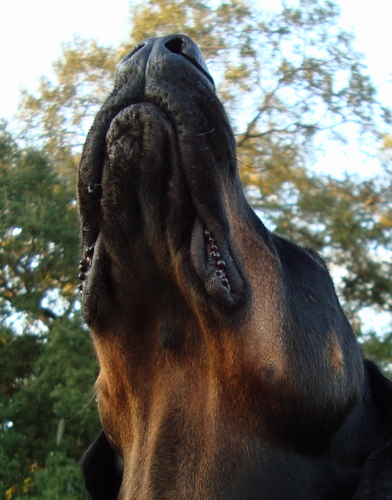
<point>221,277</point>
<point>215,266</point>
<point>91,168</point>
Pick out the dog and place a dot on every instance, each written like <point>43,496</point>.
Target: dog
<point>228,369</point>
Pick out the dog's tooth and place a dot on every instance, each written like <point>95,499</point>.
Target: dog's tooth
<point>225,282</point>
<point>90,250</point>
<point>84,265</point>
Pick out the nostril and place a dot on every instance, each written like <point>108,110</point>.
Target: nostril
<point>183,46</point>
<point>175,45</point>
<point>133,51</point>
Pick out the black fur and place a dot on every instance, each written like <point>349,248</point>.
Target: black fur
<point>229,370</point>
<point>102,470</point>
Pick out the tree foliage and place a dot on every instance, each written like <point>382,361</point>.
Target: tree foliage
<point>291,81</point>
<point>47,367</point>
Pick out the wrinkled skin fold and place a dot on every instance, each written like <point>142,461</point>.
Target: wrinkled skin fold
<point>227,367</point>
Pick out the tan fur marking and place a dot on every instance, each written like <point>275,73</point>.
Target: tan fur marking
<point>336,353</point>
<point>264,336</point>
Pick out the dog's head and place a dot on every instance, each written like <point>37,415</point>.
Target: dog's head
<point>196,310</point>
<point>158,186</point>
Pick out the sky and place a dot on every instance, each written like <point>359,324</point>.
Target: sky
<point>31,34</point>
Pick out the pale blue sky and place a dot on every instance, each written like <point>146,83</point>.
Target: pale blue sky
<point>31,33</point>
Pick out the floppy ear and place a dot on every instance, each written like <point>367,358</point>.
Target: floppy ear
<point>102,470</point>
<point>376,479</point>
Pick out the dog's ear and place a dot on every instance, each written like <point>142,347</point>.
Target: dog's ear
<point>102,469</point>
<point>376,479</point>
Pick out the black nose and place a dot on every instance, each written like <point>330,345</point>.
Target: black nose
<point>154,50</point>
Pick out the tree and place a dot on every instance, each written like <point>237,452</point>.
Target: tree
<point>53,418</point>
<point>293,80</point>
<point>294,73</point>
<point>47,367</point>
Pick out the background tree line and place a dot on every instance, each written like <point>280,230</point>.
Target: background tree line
<point>291,81</point>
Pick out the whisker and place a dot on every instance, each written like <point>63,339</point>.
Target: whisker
<point>84,407</point>
<point>206,133</point>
